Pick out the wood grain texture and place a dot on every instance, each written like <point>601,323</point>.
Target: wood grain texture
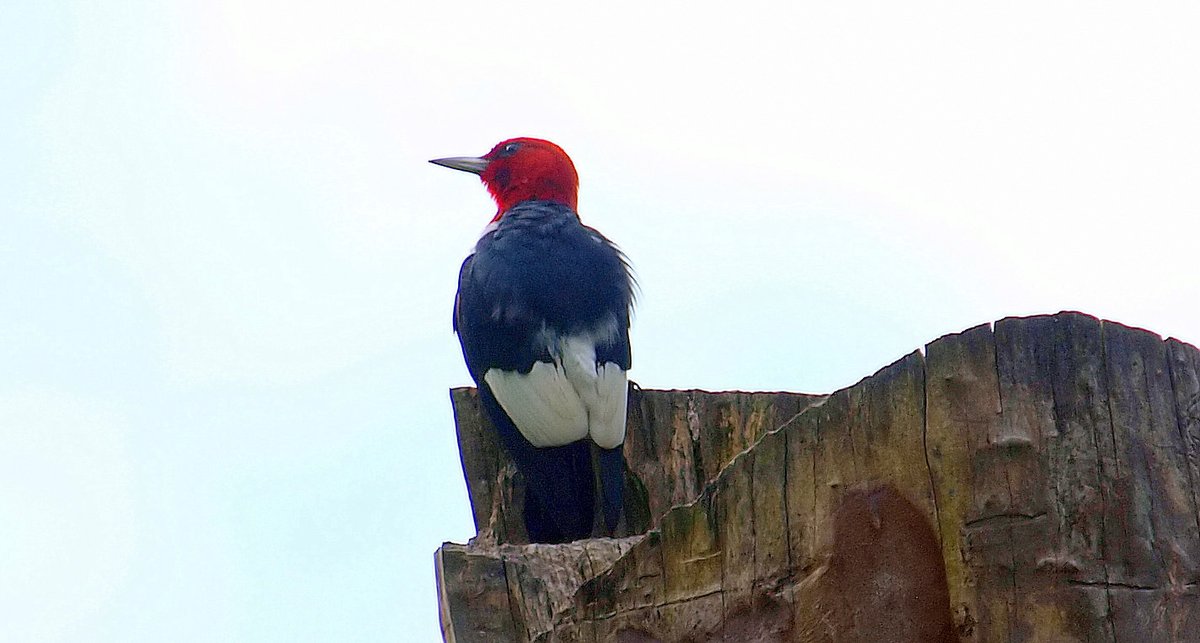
<point>1031,480</point>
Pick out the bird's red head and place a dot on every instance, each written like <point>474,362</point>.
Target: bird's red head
<point>522,169</point>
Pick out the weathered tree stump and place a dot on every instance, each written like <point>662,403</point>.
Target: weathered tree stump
<point>1032,481</point>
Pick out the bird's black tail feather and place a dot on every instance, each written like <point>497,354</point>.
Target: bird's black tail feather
<point>559,489</point>
<point>560,495</point>
<point>612,485</point>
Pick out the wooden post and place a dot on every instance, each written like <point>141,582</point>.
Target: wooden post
<point>1032,480</point>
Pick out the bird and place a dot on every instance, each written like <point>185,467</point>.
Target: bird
<point>543,314</point>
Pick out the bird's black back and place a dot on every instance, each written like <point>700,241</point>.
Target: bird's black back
<point>540,270</point>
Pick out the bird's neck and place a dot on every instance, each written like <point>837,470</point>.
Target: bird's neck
<point>546,188</point>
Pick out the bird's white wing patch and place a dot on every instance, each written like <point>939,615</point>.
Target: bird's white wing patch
<point>606,417</point>
<point>543,404</point>
<point>602,389</point>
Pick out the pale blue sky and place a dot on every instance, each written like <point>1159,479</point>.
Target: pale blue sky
<point>226,269</point>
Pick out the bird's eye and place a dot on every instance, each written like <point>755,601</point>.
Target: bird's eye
<point>510,149</point>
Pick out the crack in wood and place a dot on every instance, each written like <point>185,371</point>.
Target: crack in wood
<point>933,491</point>
<point>1130,587</point>
<point>1006,519</point>
<point>1104,544</point>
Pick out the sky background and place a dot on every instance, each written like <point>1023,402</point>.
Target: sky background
<point>226,269</point>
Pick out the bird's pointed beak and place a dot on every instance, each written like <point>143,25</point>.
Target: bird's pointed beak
<point>465,163</point>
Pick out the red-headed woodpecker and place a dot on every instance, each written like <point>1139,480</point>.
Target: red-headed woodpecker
<point>542,314</point>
